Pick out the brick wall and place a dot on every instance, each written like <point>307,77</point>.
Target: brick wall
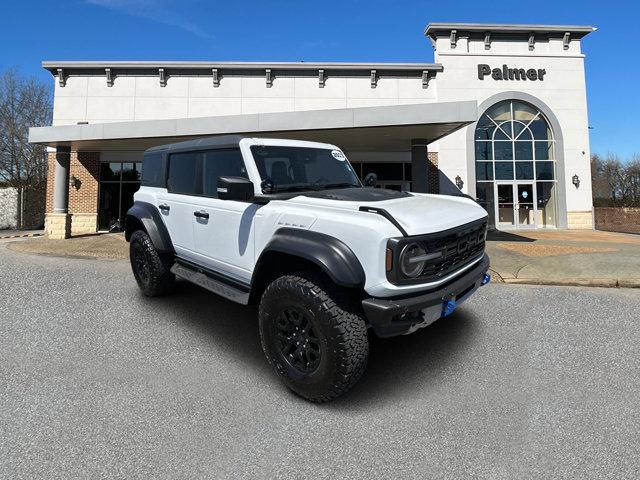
<point>626,220</point>
<point>433,177</point>
<point>85,166</point>
<point>51,175</point>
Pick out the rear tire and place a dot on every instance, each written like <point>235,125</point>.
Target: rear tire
<point>313,337</point>
<point>151,269</point>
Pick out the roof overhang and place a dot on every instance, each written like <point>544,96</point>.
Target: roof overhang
<point>576,31</point>
<point>365,128</point>
<point>151,67</point>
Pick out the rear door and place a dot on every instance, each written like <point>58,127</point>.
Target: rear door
<point>177,204</point>
<point>223,230</point>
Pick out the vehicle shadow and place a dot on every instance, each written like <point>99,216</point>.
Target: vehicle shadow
<point>397,366</point>
<point>502,236</point>
<point>401,366</point>
<point>224,323</point>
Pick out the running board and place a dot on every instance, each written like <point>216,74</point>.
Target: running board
<point>213,285</point>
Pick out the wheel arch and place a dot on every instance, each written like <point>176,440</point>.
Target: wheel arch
<point>293,249</point>
<point>144,216</point>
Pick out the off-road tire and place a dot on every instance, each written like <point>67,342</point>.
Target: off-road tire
<point>339,327</point>
<point>150,268</point>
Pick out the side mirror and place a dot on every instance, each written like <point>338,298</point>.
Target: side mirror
<point>370,180</point>
<point>235,188</point>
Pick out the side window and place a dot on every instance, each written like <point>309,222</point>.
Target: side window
<point>152,170</point>
<point>221,163</point>
<point>184,176</point>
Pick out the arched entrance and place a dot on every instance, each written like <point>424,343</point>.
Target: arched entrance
<point>515,166</point>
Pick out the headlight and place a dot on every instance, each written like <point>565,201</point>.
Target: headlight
<point>412,260</point>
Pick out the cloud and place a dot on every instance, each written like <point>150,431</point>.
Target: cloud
<point>160,11</point>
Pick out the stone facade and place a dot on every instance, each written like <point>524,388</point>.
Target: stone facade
<point>625,220</point>
<point>57,226</point>
<point>83,223</point>
<point>580,220</point>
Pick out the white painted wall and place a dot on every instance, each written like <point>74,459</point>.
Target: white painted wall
<point>89,99</point>
<point>562,90</point>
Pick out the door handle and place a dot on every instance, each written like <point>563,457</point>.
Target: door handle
<point>164,207</point>
<point>201,214</point>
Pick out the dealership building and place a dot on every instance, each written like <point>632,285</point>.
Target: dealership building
<point>500,115</point>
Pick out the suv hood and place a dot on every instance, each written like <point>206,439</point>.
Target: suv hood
<point>417,213</point>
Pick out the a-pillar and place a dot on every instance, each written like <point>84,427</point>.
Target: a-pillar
<point>58,223</point>
<point>419,157</point>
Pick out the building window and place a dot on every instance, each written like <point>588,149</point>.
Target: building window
<point>118,182</point>
<point>515,166</point>
<point>391,175</point>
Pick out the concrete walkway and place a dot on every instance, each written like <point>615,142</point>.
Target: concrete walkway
<point>563,257</point>
<point>100,245</point>
<point>566,257</point>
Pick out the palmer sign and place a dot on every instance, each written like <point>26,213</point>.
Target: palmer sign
<point>506,73</point>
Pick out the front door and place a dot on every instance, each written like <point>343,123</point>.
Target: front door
<point>223,229</point>
<point>505,206</point>
<point>515,205</point>
<point>525,206</point>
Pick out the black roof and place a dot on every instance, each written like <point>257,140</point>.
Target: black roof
<point>223,141</point>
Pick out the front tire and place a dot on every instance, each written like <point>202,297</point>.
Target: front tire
<point>312,336</point>
<point>150,269</point>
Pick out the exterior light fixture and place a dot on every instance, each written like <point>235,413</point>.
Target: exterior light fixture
<point>75,181</point>
<point>576,180</point>
<point>459,182</point>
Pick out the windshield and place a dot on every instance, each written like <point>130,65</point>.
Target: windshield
<point>299,168</point>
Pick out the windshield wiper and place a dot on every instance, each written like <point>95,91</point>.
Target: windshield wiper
<point>339,185</point>
<point>295,188</point>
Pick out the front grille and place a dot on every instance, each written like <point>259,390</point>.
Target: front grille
<point>459,246</point>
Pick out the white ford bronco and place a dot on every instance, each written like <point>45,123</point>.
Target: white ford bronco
<point>288,226</point>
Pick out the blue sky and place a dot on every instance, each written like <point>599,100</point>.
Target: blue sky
<point>346,30</point>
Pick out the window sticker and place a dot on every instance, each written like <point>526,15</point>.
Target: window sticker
<point>338,155</point>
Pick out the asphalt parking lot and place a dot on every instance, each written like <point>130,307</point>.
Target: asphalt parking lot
<point>98,381</point>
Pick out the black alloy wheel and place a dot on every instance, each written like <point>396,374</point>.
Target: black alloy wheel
<point>297,341</point>
<point>151,269</point>
<point>140,262</point>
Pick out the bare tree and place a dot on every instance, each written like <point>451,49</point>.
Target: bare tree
<point>632,170</point>
<point>24,102</point>
<point>615,183</point>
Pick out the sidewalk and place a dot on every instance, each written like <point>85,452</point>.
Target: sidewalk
<point>566,257</point>
<point>100,245</point>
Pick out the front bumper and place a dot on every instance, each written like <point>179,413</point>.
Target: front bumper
<point>401,315</point>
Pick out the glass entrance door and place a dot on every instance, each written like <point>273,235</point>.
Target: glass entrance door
<point>118,182</point>
<point>505,206</point>
<point>525,206</point>
<point>516,205</point>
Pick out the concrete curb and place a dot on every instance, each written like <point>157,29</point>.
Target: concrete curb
<point>21,235</point>
<point>496,277</point>
<point>578,282</point>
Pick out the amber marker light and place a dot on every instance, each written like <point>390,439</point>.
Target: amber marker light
<point>389,260</point>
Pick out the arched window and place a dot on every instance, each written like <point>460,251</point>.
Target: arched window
<point>514,144</point>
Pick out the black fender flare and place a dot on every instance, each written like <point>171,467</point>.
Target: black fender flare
<point>332,255</point>
<point>149,216</point>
